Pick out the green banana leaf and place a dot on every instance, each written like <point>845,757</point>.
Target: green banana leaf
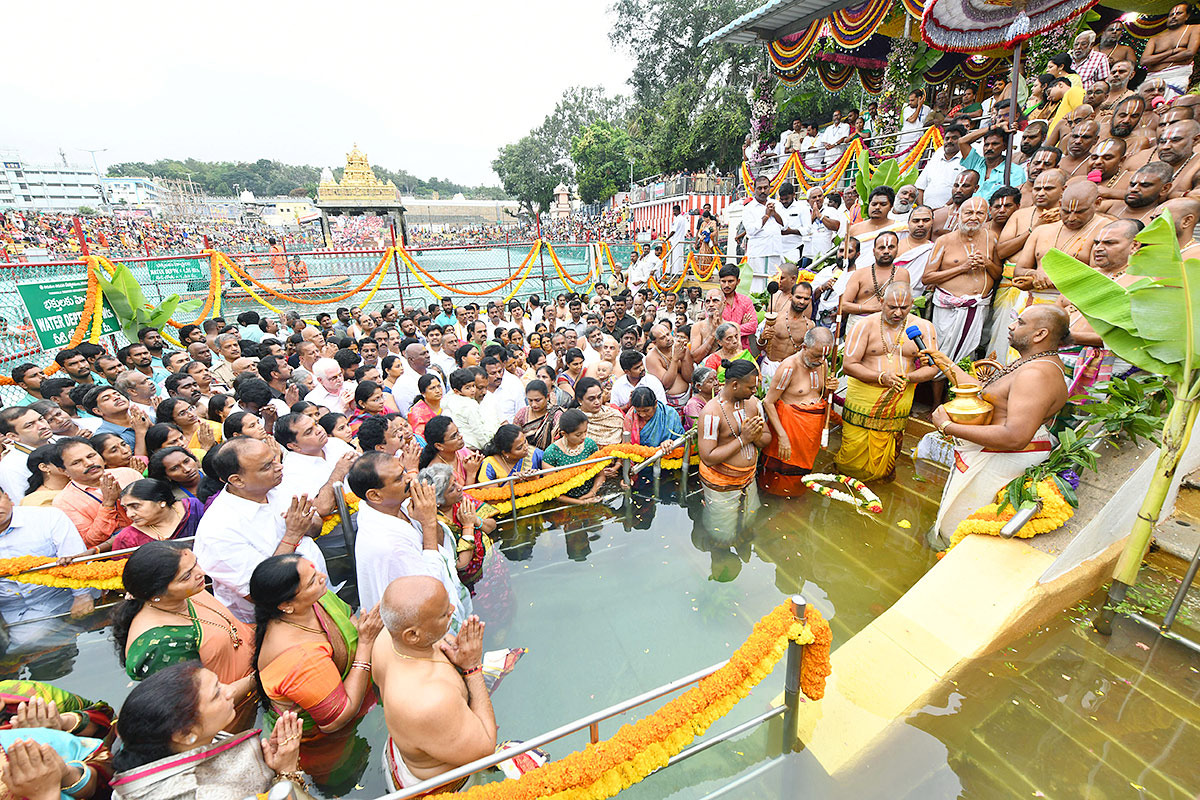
<point>1151,323</point>
<point>117,299</point>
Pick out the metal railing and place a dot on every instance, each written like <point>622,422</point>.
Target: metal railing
<point>683,184</point>
<point>789,710</point>
<point>818,162</point>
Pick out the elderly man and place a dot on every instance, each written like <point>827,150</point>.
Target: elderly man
<point>312,462</point>
<point>240,528</point>
<point>737,307</point>
<point>795,408</point>
<point>229,351</point>
<point>906,198</point>
<point>331,390</point>
<point>1025,400</point>
<point>399,532</point>
<point>883,368</point>
<point>1169,54</point>
<point>963,269</point>
<point>764,231</point>
<point>437,718</point>
<point>704,329</point>
<point>23,431</point>
<point>1089,63</point>
<point>139,389</point>
<point>669,360</point>
<point>782,336</point>
<point>945,219</point>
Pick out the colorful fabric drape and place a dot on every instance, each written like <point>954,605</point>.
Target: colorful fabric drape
<point>308,678</point>
<point>834,77</point>
<point>914,8</point>
<point>852,27</point>
<point>1145,27</point>
<point>787,54</point>
<point>871,80</point>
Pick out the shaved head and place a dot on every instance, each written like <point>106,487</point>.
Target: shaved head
<point>411,604</point>
<point>1054,176</point>
<point>898,289</point>
<point>1082,193</point>
<point>1051,318</point>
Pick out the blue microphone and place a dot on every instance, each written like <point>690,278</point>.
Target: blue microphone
<point>914,333</point>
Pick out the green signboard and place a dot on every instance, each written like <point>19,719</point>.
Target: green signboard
<point>54,305</point>
<point>177,270</point>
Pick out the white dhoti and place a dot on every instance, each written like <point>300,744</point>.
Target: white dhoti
<point>978,474</point>
<point>1177,79</point>
<point>678,258</point>
<point>762,268</point>
<point>1004,311</point>
<point>915,260</point>
<point>958,322</point>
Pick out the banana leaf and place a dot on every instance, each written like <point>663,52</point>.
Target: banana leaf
<point>118,301</point>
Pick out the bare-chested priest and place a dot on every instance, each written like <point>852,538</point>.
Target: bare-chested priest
<point>883,368</point>
<point>1185,213</point>
<point>704,329</point>
<point>783,338</point>
<point>732,429</point>
<point>1025,395</point>
<point>795,407</point>
<point>670,360</point>
<point>945,219</point>
<point>916,246</point>
<point>1044,158</point>
<point>1079,144</point>
<point>963,269</point>
<point>879,209</point>
<point>435,703</point>
<point>1110,257</point>
<point>864,291</point>
<point>1148,188</point>
<point>1169,54</point>
<point>1108,159</point>
<point>1073,234</point>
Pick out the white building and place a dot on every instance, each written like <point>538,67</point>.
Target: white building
<point>136,192</point>
<point>30,187</point>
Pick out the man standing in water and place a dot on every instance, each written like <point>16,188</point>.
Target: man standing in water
<point>864,291</point>
<point>1025,396</point>
<point>795,407</point>
<point>435,703</point>
<point>883,367</point>
<point>783,337</point>
<point>732,429</point>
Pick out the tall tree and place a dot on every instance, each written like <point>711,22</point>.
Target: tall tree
<point>528,171</point>
<point>601,160</point>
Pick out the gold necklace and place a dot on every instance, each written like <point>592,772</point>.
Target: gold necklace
<point>889,351</point>
<point>301,627</point>
<point>416,658</point>
<point>231,630</point>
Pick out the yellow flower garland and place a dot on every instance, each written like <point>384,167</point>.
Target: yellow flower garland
<point>602,770</point>
<point>335,519</point>
<point>989,520</point>
<point>103,574</point>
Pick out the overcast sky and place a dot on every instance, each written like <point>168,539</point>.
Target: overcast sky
<point>432,87</point>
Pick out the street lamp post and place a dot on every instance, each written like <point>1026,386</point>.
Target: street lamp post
<point>99,179</point>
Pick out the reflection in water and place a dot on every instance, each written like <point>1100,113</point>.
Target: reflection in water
<point>619,597</point>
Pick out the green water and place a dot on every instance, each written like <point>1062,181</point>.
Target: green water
<point>616,599</point>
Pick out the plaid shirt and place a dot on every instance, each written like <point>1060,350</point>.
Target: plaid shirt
<point>1093,68</point>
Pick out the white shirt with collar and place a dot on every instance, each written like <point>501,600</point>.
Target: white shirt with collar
<point>504,403</point>
<point>443,360</point>
<point>762,238</point>
<point>821,237</point>
<point>404,390</point>
<point>333,402</point>
<point>797,216</point>
<point>15,472</point>
<point>306,474</point>
<point>937,179</point>
<point>390,547</point>
<point>468,416</point>
<point>37,532</point>
<point>622,390</point>
<point>235,535</point>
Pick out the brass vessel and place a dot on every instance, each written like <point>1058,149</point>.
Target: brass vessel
<point>968,407</point>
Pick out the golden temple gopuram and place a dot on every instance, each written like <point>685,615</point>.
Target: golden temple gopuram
<point>358,189</point>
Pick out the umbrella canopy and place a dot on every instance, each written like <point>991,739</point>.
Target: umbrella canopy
<point>965,26</point>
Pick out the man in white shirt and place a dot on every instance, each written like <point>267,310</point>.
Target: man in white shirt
<point>331,390</point>
<point>649,264</point>
<point>834,138</point>
<point>312,462</point>
<point>764,229</point>
<point>399,534</point>
<point>828,221</point>
<point>797,223</point>
<point>634,365</point>
<point>438,356</point>
<point>680,233</point>
<point>936,181</point>
<point>913,123</point>
<point>240,528</point>
<point>23,430</point>
<point>404,390</point>
<point>37,532</point>
<point>506,393</point>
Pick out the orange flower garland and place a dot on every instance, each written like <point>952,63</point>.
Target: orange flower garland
<point>103,574</point>
<point>638,749</point>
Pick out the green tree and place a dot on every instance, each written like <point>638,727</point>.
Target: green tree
<point>600,154</point>
<point>528,172</point>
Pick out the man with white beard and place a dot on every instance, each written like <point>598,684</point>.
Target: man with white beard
<point>906,198</point>
<point>963,269</point>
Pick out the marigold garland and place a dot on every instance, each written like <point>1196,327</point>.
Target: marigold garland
<point>987,520</point>
<point>101,574</point>
<point>602,770</point>
<point>335,519</point>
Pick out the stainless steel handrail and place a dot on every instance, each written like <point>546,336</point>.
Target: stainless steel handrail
<point>792,698</point>
<point>100,556</point>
